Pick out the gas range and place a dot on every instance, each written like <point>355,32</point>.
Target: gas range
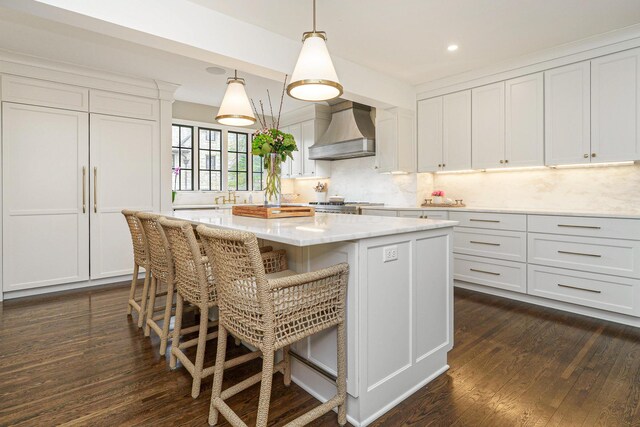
<point>350,208</point>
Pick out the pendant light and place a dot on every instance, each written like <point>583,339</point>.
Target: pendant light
<point>314,78</point>
<point>235,109</point>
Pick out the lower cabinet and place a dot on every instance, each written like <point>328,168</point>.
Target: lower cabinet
<point>508,275</point>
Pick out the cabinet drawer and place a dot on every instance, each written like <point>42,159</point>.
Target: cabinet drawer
<point>616,228</point>
<point>593,290</point>
<point>508,275</point>
<point>48,94</point>
<point>607,256</point>
<point>507,245</point>
<point>379,212</point>
<point>494,221</point>
<point>117,104</point>
<point>423,214</point>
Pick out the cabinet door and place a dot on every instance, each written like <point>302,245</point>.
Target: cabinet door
<point>387,141</point>
<point>308,139</point>
<point>125,159</point>
<point>456,131</point>
<point>296,163</point>
<point>487,126</point>
<point>285,167</point>
<point>46,229</point>
<point>524,121</point>
<point>430,134</point>
<point>567,114</point>
<point>615,113</point>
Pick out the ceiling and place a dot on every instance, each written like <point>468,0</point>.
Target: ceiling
<point>27,34</point>
<point>408,39</point>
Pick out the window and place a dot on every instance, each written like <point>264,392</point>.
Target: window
<point>237,167</point>
<point>257,183</point>
<point>210,155</point>
<point>182,153</point>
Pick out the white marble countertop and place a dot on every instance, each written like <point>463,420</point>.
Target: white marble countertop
<point>307,231</point>
<point>632,214</point>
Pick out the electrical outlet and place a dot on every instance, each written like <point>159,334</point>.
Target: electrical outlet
<point>389,253</point>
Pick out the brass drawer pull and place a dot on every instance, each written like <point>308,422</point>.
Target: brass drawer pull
<point>579,253</point>
<point>484,243</point>
<point>580,289</point>
<point>592,227</point>
<point>484,220</point>
<point>485,272</point>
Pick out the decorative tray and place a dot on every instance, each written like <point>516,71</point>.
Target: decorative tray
<point>273,212</point>
<point>443,205</point>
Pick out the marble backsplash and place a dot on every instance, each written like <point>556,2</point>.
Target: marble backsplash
<point>605,189</point>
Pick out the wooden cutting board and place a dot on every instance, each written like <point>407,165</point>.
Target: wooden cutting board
<point>272,212</point>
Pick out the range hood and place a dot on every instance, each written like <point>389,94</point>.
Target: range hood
<point>351,133</point>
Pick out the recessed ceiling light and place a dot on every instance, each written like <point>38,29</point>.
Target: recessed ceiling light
<point>452,47</point>
<point>216,71</point>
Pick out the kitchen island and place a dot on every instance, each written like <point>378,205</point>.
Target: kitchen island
<point>399,300</point>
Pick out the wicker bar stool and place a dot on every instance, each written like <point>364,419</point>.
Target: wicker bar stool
<point>140,259</point>
<point>195,285</point>
<point>271,314</point>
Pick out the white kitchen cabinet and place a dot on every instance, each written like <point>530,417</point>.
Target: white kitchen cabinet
<point>118,104</point>
<point>487,126</point>
<point>285,167</point>
<point>45,200</point>
<point>567,114</point>
<point>44,93</point>
<point>524,121</point>
<point>395,141</point>
<point>444,133</point>
<point>124,151</point>
<point>615,113</point>
<point>297,162</point>
<point>429,134</point>
<point>307,125</point>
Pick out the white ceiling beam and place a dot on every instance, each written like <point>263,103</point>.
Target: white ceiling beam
<point>186,28</point>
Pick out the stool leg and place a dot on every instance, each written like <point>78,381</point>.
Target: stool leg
<point>287,365</point>
<point>265,387</point>
<point>218,374</point>
<point>202,343</point>
<point>175,342</point>
<point>342,374</point>
<point>143,300</point>
<point>132,292</point>
<point>167,319</point>
<point>151,305</point>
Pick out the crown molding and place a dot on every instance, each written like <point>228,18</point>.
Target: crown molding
<point>44,69</point>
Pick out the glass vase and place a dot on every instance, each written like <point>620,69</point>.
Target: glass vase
<point>273,167</point>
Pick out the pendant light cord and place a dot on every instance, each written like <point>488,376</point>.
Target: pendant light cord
<point>314,16</point>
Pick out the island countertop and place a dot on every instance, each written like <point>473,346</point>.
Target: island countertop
<point>307,231</point>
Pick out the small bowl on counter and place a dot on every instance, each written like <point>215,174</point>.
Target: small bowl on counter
<point>336,199</point>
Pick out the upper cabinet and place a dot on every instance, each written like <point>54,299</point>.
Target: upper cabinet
<point>508,123</point>
<point>524,121</point>
<point>615,113</point>
<point>307,125</point>
<point>444,133</point>
<point>567,114</point>
<point>487,126</point>
<point>395,140</point>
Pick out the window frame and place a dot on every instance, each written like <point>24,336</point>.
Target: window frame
<point>180,150</point>
<point>237,152</point>
<point>254,172</point>
<point>211,151</point>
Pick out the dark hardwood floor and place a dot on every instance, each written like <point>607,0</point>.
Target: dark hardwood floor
<point>77,359</point>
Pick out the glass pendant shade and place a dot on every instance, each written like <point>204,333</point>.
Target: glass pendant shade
<point>314,78</point>
<point>235,109</point>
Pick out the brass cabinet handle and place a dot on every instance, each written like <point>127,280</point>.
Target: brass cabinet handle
<point>484,243</point>
<point>580,253</point>
<point>95,189</point>
<point>501,161</point>
<point>485,272</point>
<point>444,165</point>
<point>506,161</point>
<point>484,220</point>
<point>586,156</point>
<point>84,189</point>
<point>593,154</point>
<point>593,227</point>
<point>580,289</point>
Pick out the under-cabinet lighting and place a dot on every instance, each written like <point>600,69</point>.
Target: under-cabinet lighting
<point>395,173</point>
<point>592,165</point>
<point>534,168</point>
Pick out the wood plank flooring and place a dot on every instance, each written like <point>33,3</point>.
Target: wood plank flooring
<point>76,359</point>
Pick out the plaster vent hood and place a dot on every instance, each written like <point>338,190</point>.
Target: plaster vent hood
<point>351,134</point>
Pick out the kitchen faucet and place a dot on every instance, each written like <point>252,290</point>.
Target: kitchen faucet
<point>232,198</point>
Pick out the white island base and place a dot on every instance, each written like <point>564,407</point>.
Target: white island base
<point>399,312</point>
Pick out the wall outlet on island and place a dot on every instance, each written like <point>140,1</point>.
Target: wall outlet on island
<point>389,253</point>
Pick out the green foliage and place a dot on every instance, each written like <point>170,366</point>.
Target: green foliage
<point>268,141</point>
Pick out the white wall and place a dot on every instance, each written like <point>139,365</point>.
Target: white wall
<point>604,189</point>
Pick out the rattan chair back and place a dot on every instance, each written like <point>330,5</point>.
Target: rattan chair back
<point>192,271</point>
<point>137,237</point>
<point>160,261</point>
